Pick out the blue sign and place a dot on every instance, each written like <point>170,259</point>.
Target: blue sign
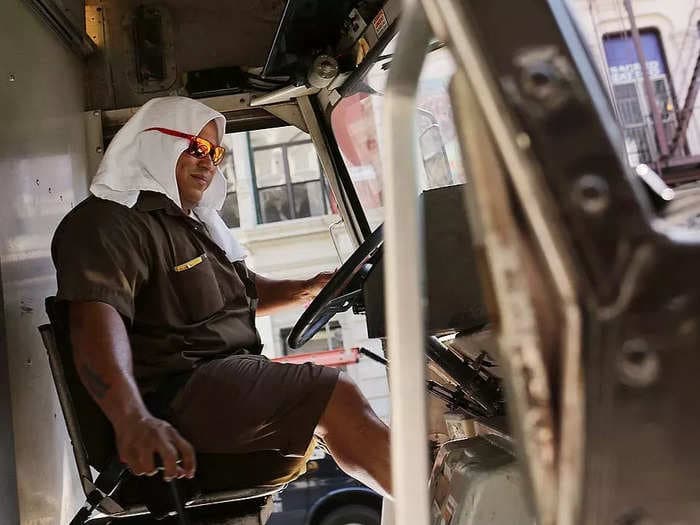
<point>620,50</point>
<point>622,59</point>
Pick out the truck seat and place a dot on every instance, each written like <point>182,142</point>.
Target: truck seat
<point>117,493</point>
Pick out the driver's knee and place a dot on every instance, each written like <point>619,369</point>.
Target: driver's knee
<point>346,406</point>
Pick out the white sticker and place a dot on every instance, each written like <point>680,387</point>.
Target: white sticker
<point>355,25</point>
<point>380,24</point>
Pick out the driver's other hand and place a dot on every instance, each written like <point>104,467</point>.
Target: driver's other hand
<point>140,441</point>
<point>316,284</point>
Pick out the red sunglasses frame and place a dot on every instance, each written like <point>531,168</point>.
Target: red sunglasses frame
<point>216,153</point>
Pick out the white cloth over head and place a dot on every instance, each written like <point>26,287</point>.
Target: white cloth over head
<point>138,160</point>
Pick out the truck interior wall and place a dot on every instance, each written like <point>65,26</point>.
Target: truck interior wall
<point>43,170</point>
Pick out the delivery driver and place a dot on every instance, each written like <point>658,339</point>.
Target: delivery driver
<point>162,314</point>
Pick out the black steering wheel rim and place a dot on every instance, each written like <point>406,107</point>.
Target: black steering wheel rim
<point>340,293</point>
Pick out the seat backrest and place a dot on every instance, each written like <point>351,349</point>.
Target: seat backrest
<point>90,431</point>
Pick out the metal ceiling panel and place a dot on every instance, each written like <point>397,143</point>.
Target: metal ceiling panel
<point>194,36</point>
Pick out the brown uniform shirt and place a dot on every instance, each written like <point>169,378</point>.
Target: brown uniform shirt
<point>182,299</point>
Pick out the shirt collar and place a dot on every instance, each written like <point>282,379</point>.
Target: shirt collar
<point>152,201</point>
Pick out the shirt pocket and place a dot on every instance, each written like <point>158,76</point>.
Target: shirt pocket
<point>197,288</point>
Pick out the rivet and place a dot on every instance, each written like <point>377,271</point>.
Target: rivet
<point>95,113</point>
<point>99,149</point>
<point>591,193</point>
<point>11,78</point>
<point>540,80</point>
<point>638,364</point>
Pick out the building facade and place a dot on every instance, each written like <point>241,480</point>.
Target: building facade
<point>668,39</point>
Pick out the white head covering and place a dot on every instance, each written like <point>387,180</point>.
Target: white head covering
<point>138,160</point>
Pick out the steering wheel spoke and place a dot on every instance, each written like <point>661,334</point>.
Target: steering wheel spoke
<point>342,303</point>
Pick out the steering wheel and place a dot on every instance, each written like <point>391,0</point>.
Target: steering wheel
<point>341,292</point>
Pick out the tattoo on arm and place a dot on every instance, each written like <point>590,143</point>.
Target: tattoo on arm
<point>94,382</point>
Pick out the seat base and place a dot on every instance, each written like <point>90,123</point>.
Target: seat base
<point>248,512</point>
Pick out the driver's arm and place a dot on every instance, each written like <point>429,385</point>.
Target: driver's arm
<point>102,355</point>
<point>274,294</point>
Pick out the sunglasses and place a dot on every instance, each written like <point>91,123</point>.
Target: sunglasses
<point>199,147</point>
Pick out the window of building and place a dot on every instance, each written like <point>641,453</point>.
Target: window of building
<point>330,337</point>
<point>229,211</point>
<point>287,175</point>
<point>625,75</point>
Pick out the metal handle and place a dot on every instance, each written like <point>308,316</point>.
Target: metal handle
<point>403,271</point>
<point>179,504</point>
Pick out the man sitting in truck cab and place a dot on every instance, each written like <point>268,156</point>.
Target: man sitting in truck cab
<point>162,314</point>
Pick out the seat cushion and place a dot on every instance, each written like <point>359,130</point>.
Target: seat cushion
<point>219,477</point>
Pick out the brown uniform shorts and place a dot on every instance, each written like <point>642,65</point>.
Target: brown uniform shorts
<point>246,403</point>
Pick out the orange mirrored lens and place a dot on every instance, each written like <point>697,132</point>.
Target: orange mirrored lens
<point>201,147</point>
<point>218,156</point>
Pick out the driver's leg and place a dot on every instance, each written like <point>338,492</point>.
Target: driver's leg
<point>356,437</point>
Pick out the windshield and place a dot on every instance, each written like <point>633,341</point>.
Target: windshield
<point>357,126</point>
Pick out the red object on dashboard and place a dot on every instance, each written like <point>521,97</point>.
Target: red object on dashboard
<point>337,357</point>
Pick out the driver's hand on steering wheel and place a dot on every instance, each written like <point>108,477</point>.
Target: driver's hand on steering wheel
<point>315,285</point>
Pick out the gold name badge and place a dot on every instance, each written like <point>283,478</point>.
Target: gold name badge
<point>190,264</point>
